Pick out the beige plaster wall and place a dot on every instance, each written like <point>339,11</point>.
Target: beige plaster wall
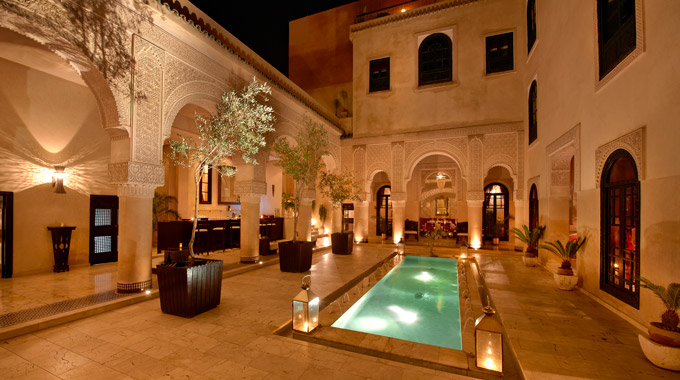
<point>643,93</point>
<point>45,121</point>
<point>473,98</point>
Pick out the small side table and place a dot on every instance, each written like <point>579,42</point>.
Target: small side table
<point>61,242</point>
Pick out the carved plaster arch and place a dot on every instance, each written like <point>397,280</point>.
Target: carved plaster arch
<point>113,106</point>
<point>369,180</point>
<point>435,192</point>
<point>500,161</point>
<point>184,94</point>
<point>633,143</point>
<point>436,148</point>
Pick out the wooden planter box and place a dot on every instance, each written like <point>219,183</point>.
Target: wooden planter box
<point>342,242</point>
<point>189,291</point>
<point>295,256</point>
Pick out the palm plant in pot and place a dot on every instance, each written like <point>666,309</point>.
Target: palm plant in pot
<point>530,238</point>
<point>339,187</point>
<point>666,353</point>
<point>303,163</point>
<point>564,277</point>
<point>238,126</point>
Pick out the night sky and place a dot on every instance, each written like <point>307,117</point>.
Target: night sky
<point>263,26</point>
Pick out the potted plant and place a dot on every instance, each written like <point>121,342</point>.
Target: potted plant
<point>564,277</point>
<point>530,238</point>
<point>664,349</point>
<point>432,237</point>
<point>161,208</point>
<point>339,187</point>
<point>238,126</point>
<point>287,204</point>
<point>323,214</point>
<point>303,163</point>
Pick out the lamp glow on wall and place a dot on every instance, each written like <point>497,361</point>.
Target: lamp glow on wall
<point>489,341</point>
<point>401,246</point>
<point>58,179</point>
<point>305,308</point>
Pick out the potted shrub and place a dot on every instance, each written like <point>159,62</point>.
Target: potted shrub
<point>664,349</point>
<point>339,187</point>
<point>564,277</point>
<point>192,286</point>
<point>323,215</point>
<point>303,163</point>
<point>530,238</point>
<point>161,209</point>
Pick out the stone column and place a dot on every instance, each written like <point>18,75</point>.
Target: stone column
<point>305,215</point>
<point>361,220</point>
<point>250,228</point>
<point>135,204</point>
<point>474,206</point>
<point>519,221</point>
<point>398,215</point>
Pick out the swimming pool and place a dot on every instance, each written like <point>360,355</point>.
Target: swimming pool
<point>416,301</point>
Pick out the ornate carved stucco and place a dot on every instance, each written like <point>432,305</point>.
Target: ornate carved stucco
<point>633,142</point>
<point>417,150</point>
<point>136,173</point>
<point>378,158</point>
<point>346,162</point>
<point>475,176</point>
<point>250,188</point>
<point>398,166</point>
<point>559,154</point>
<point>146,129</point>
<point>184,94</point>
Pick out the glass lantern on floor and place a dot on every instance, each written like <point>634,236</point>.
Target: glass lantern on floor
<point>401,246</point>
<point>305,308</point>
<point>489,341</point>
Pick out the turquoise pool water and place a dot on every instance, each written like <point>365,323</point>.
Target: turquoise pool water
<point>416,301</point>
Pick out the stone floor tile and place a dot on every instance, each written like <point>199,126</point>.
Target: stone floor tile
<point>12,367</point>
<point>60,361</point>
<point>92,371</point>
<point>287,368</point>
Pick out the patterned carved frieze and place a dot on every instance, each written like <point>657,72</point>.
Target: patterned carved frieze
<point>378,158</point>
<point>414,151</point>
<point>147,106</point>
<point>475,177</point>
<point>136,190</point>
<point>359,164</point>
<point>398,167</point>
<point>246,188</point>
<point>136,173</point>
<point>346,158</point>
<point>633,143</point>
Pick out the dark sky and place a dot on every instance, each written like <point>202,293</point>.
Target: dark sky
<point>263,26</point>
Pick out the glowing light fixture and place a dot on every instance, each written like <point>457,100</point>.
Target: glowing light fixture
<point>305,308</point>
<point>463,252</point>
<point>403,10</point>
<point>403,315</point>
<point>58,179</point>
<point>489,341</point>
<point>401,246</point>
<point>424,276</point>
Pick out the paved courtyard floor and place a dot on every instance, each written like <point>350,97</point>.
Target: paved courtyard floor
<point>556,334</point>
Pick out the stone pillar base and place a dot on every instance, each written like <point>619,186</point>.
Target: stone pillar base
<point>250,259</point>
<point>136,287</point>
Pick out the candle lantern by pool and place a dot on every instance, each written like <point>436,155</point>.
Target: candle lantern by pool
<point>401,246</point>
<point>463,251</point>
<point>305,308</point>
<point>489,341</point>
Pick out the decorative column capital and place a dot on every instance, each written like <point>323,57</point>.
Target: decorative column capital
<point>136,173</point>
<point>250,189</point>
<point>475,196</point>
<point>136,190</point>
<point>398,196</point>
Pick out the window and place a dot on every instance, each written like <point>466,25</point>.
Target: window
<point>225,188</point>
<point>434,60</point>
<point>496,216</point>
<point>531,24</point>
<point>499,56</point>
<point>379,76</point>
<point>533,207</point>
<point>616,32</point>
<point>205,186</point>
<point>620,218</point>
<point>533,113</point>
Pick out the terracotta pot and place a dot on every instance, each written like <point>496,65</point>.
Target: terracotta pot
<point>665,337</point>
<point>660,355</point>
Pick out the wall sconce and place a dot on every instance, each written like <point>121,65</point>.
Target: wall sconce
<point>401,246</point>
<point>305,308</point>
<point>58,179</point>
<point>489,341</point>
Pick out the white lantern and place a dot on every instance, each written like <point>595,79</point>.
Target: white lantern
<point>489,341</point>
<point>401,246</point>
<point>305,308</point>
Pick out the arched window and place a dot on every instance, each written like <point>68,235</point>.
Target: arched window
<point>434,60</point>
<point>617,34</point>
<point>533,207</point>
<point>533,110</point>
<point>531,24</point>
<point>383,211</point>
<point>620,218</point>
<point>496,213</point>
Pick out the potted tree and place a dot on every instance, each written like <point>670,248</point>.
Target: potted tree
<point>530,238</point>
<point>161,209</point>
<point>664,348</point>
<point>323,215</point>
<point>238,126</point>
<point>303,163</point>
<point>564,277</point>
<point>339,187</point>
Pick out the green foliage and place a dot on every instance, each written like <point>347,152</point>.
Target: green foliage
<point>287,201</point>
<point>161,207</point>
<point>303,161</point>
<point>238,126</point>
<point>529,237</point>
<point>565,253</point>
<point>338,187</point>
<point>671,299</point>
<point>323,214</point>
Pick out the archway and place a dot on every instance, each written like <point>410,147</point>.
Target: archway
<point>496,212</point>
<point>383,211</point>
